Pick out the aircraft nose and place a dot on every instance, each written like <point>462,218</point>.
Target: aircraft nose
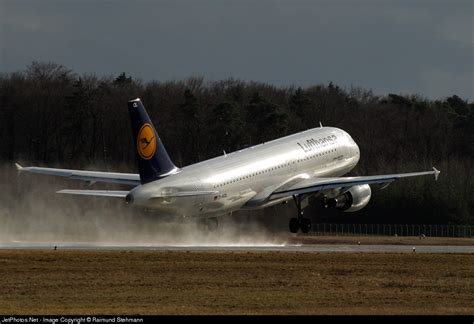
<point>353,148</point>
<point>355,152</point>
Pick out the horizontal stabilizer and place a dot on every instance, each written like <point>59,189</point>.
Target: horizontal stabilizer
<point>101,193</point>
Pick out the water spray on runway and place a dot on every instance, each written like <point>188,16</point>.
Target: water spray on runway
<point>31,212</point>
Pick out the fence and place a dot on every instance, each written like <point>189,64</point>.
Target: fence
<point>393,230</point>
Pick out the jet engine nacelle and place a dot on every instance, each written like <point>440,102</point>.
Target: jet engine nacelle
<point>354,199</point>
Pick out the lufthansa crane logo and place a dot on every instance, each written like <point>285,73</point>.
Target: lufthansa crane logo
<point>146,142</point>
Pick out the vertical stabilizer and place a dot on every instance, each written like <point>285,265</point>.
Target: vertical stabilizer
<point>153,160</point>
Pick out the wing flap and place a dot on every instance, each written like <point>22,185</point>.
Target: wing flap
<point>92,176</point>
<point>319,184</point>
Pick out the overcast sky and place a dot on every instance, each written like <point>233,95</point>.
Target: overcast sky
<point>408,47</point>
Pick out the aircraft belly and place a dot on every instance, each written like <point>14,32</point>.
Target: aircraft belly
<point>224,203</point>
<point>181,206</point>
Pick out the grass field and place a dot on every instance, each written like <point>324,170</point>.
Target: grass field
<point>147,282</point>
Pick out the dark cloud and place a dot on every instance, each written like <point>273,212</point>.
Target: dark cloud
<point>423,47</point>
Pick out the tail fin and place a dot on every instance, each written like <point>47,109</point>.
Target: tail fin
<point>153,160</point>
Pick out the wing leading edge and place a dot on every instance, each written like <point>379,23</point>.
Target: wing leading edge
<point>318,184</point>
<point>91,176</point>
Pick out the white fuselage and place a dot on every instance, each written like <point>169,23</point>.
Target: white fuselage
<point>245,179</point>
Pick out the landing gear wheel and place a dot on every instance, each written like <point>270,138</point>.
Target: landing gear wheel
<point>305,225</point>
<point>294,225</point>
<point>299,222</point>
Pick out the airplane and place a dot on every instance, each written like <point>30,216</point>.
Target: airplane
<point>294,167</point>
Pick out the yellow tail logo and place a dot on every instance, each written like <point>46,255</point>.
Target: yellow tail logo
<point>146,142</point>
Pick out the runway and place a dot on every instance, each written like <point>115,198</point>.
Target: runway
<point>307,248</point>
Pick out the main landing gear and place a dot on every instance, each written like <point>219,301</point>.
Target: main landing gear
<point>208,224</point>
<point>299,222</point>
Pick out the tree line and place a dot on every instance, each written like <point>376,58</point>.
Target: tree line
<point>52,116</point>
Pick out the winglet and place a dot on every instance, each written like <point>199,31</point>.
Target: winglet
<point>18,167</point>
<point>437,172</point>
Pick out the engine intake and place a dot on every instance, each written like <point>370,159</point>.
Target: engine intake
<point>354,199</point>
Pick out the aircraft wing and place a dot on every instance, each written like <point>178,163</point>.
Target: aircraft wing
<point>100,193</point>
<point>318,184</point>
<point>91,176</point>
